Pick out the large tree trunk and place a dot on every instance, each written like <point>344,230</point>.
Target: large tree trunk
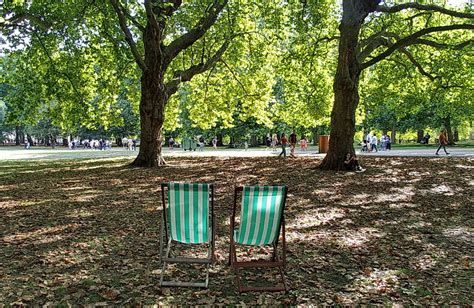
<point>152,117</point>
<point>152,102</point>
<point>346,95</point>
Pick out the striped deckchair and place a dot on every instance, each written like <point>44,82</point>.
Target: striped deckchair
<point>188,219</point>
<point>261,222</point>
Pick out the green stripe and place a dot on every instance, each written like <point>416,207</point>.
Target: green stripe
<point>178,222</point>
<point>264,213</point>
<point>243,213</point>
<point>205,212</point>
<point>254,208</point>
<point>186,221</point>
<point>195,212</point>
<point>271,217</point>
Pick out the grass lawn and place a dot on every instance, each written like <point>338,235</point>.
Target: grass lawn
<point>86,231</point>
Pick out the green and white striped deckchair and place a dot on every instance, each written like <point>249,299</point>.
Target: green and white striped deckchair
<point>188,219</point>
<point>261,222</point>
<point>260,216</point>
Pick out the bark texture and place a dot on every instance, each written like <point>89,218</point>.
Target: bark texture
<point>346,84</point>
<point>153,100</point>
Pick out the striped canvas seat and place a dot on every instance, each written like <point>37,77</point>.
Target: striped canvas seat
<point>188,212</point>
<point>188,218</point>
<point>262,221</point>
<point>260,215</point>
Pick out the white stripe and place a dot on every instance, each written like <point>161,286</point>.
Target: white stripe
<point>276,214</point>
<point>181,211</point>
<point>249,215</point>
<point>172,204</point>
<point>200,221</point>
<point>191,213</point>
<point>268,206</point>
<point>259,210</point>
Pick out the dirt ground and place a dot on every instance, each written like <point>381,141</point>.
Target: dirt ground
<point>86,231</point>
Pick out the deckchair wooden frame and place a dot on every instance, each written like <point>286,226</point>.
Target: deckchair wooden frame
<point>166,259</point>
<point>275,261</point>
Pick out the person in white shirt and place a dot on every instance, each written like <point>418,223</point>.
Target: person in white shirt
<point>368,138</point>
<point>373,143</point>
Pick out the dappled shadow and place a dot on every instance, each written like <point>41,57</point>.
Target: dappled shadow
<point>87,231</point>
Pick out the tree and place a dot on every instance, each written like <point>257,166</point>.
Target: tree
<point>355,55</point>
<point>157,57</point>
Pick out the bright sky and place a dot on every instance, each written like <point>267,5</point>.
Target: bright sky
<point>457,2</point>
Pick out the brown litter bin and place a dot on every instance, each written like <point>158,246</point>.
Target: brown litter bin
<point>323,143</point>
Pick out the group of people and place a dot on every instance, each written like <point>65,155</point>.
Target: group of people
<point>292,141</point>
<point>93,144</point>
<point>371,142</point>
<point>129,144</point>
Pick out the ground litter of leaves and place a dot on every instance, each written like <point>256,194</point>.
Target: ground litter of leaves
<point>86,231</point>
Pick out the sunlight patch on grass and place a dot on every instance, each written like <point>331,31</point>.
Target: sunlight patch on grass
<point>39,234</point>
<point>80,213</point>
<point>357,238</point>
<point>445,190</point>
<point>460,233</point>
<point>402,205</point>
<point>358,199</point>
<point>376,281</point>
<point>463,166</point>
<point>315,217</point>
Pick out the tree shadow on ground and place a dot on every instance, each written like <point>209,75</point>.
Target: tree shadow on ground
<point>87,231</point>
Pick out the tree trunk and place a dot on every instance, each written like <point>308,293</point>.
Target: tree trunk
<point>449,130</point>
<point>30,140</point>
<point>152,116</point>
<point>254,141</point>
<point>419,135</point>
<point>456,135</point>
<point>393,137</point>
<point>153,100</point>
<point>17,135</point>
<point>346,94</point>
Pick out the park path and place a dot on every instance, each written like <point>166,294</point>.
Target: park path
<point>16,153</point>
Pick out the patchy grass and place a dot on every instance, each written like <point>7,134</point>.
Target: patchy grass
<point>86,232</point>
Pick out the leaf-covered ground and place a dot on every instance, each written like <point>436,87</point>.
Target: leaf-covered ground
<point>84,232</point>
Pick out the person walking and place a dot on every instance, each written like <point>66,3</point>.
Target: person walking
<point>292,144</point>
<point>373,143</point>
<point>284,142</point>
<point>274,142</point>
<point>214,142</point>
<point>443,142</point>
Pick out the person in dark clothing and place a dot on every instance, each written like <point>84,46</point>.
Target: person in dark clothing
<point>351,163</point>
<point>292,144</point>
<point>283,142</point>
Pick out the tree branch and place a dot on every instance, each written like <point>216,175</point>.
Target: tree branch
<point>128,35</point>
<point>187,39</point>
<point>411,40</point>
<point>441,45</point>
<point>16,20</point>
<point>418,65</point>
<point>422,7</point>
<point>187,75</point>
<point>150,15</point>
